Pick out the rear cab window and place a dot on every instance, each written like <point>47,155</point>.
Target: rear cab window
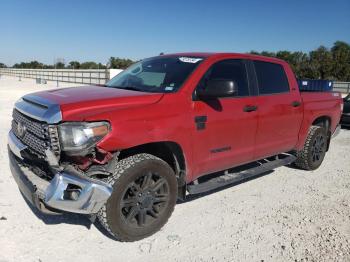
<point>271,78</point>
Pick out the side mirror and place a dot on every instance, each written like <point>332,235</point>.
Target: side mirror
<point>218,88</point>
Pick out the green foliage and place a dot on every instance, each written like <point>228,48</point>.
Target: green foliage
<point>32,65</point>
<point>2,65</point>
<point>91,65</point>
<point>119,63</point>
<point>322,63</point>
<point>341,58</point>
<point>59,65</point>
<point>74,65</point>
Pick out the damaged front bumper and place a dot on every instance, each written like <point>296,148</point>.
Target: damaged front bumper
<point>67,191</point>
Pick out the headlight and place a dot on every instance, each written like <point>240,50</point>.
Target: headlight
<point>76,137</point>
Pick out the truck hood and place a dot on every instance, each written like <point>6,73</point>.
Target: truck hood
<point>80,103</point>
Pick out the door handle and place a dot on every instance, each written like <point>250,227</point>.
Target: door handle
<point>250,108</point>
<point>296,103</point>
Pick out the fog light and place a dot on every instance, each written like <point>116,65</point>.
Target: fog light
<point>72,192</point>
<point>74,195</point>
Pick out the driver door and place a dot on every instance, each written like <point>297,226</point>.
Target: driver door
<point>224,130</point>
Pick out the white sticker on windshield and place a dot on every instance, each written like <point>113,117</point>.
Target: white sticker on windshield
<point>190,59</point>
<point>169,88</point>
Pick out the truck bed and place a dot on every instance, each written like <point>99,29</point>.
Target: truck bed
<point>318,104</point>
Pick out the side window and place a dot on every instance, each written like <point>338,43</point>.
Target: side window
<point>233,69</point>
<point>271,78</point>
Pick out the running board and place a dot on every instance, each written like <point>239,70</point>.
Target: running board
<point>230,178</point>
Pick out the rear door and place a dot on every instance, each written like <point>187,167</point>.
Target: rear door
<point>280,110</point>
<point>224,131</point>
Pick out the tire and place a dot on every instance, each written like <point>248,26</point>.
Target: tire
<point>314,151</point>
<point>143,198</point>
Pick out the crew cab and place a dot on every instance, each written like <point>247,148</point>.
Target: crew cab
<point>158,131</point>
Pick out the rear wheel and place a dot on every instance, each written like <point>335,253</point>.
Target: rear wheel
<point>143,198</point>
<point>314,151</point>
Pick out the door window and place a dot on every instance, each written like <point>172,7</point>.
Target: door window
<point>271,78</point>
<point>232,69</point>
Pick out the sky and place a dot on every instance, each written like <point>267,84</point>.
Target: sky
<point>87,30</point>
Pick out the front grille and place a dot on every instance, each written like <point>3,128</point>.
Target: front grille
<point>35,127</point>
<point>38,136</point>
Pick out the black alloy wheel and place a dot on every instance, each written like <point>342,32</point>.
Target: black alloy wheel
<point>144,200</point>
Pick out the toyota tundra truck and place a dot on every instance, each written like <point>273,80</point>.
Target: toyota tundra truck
<point>166,127</point>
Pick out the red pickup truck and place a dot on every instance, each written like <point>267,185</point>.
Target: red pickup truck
<point>166,127</point>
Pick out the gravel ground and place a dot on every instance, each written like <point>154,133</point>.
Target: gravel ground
<point>288,215</point>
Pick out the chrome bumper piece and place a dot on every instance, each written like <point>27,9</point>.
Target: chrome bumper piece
<point>89,194</point>
<point>15,145</point>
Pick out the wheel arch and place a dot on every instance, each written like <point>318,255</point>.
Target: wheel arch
<point>169,151</point>
<point>325,122</point>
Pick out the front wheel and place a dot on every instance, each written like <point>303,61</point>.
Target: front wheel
<point>143,198</point>
<point>314,150</point>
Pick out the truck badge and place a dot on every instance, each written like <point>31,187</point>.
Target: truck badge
<point>21,129</point>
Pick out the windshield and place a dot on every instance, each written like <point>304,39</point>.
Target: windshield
<point>157,74</point>
<point>347,98</point>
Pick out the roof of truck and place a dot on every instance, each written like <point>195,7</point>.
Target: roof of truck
<point>223,54</point>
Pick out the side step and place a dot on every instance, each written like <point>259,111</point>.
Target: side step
<point>230,178</point>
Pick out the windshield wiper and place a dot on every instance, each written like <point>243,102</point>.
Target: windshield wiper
<point>128,88</point>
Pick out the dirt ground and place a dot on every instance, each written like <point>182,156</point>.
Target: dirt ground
<point>288,215</point>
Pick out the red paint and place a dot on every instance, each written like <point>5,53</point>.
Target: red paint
<point>138,118</point>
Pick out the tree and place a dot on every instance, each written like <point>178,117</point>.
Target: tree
<point>341,57</point>
<point>59,65</point>
<point>119,63</point>
<point>89,65</point>
<point>266,53</point>
<point>299,61</point>
<point>321,63</point>
<point>101,66</point>
<point>74,65</point>
<point>48,66</point>
<point>33,64</point>
<point>2,65</point>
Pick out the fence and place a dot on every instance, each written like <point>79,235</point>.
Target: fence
<point>343,87</point>
<point>96,76</point>
<point>86,76</point>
